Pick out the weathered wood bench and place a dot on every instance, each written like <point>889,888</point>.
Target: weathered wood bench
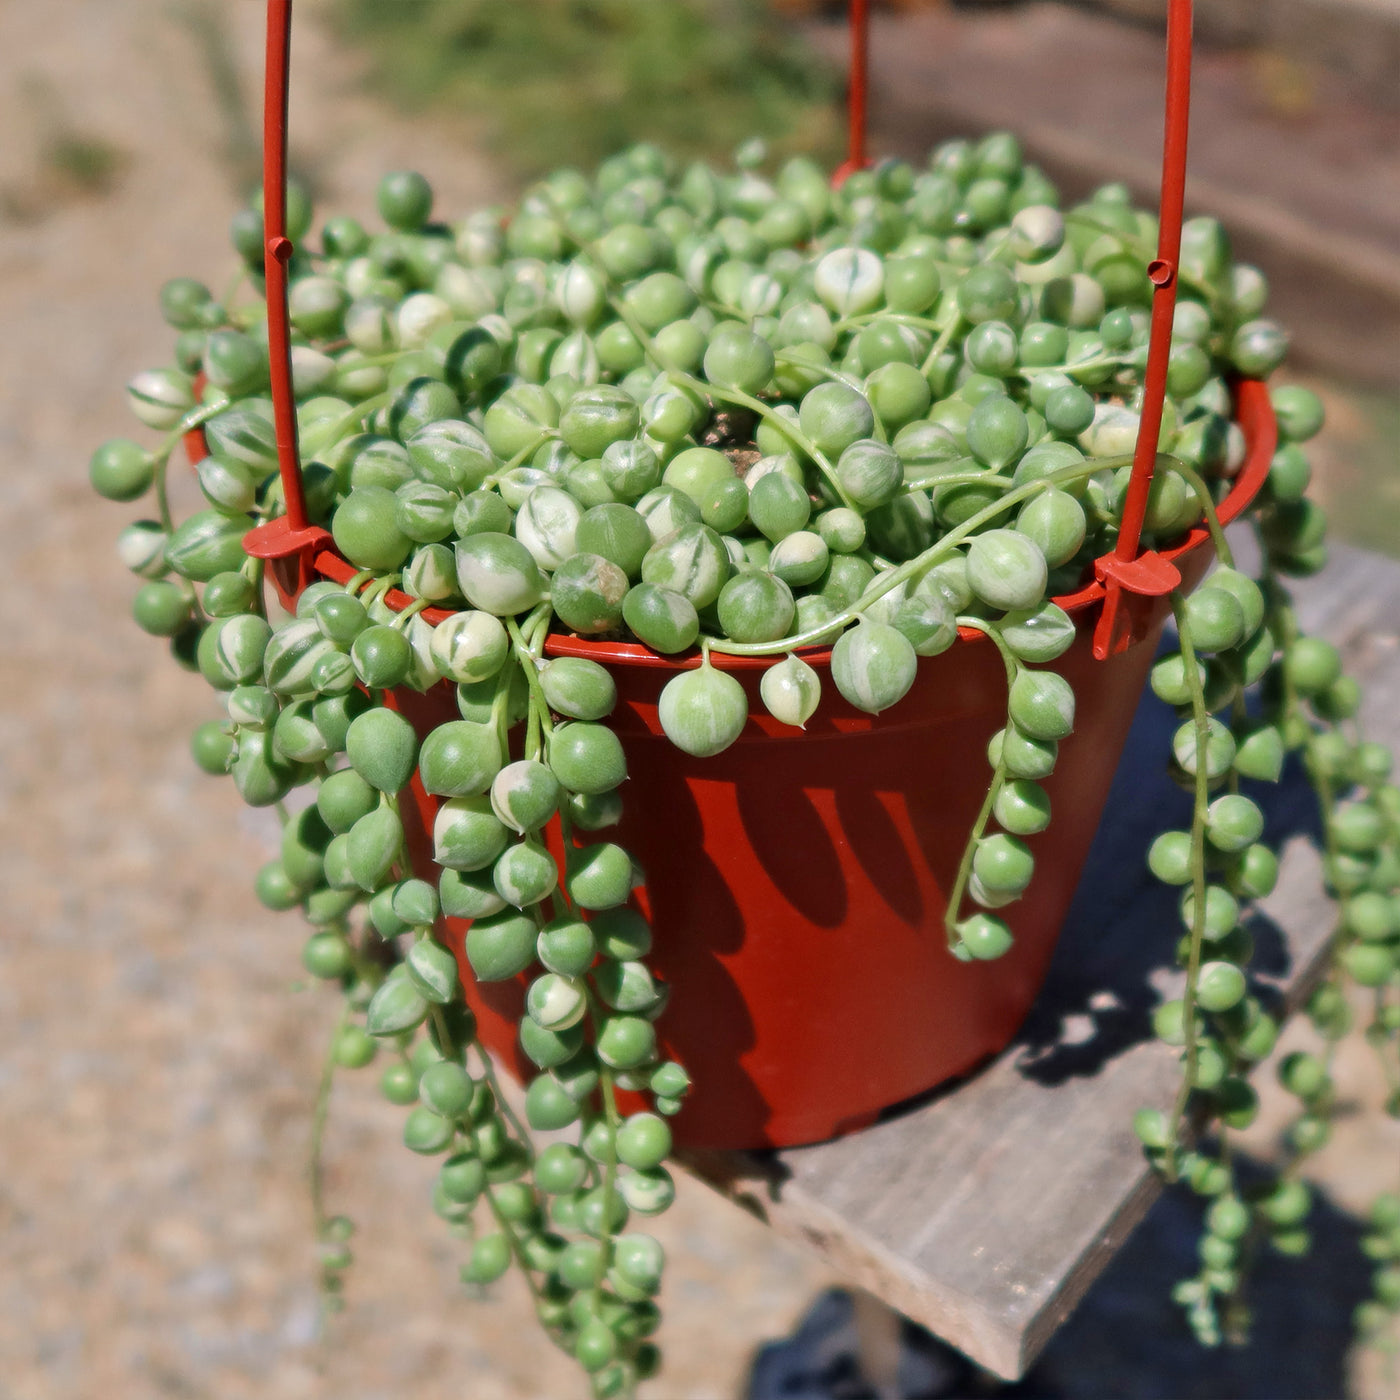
<point>985,1212</point>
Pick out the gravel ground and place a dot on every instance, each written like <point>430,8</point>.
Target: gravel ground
<point>159,1060</point>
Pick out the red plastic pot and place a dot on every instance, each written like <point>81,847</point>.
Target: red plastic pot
<point>797,882</point>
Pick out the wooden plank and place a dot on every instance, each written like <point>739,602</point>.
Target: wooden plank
<point>986,1211</point>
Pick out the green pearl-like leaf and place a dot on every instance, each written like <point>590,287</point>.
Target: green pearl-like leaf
<point>501,946</point>
<point>703,711</point>
<point>382,748</point>
<point>791,691</point>
<point>397,1006</point>
<point>433,970</point>
<point>873,666</point>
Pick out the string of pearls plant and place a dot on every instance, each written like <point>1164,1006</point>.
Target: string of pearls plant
<point>1307,708</point>
<point>741,413</point>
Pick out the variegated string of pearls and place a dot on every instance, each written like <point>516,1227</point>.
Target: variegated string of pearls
<point>747,414</point>
<point>1234,633</point>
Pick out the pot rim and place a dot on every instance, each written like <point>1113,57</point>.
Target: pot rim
<point>1253,412</point>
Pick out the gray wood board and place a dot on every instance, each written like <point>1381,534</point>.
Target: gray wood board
<point>985,1211</point>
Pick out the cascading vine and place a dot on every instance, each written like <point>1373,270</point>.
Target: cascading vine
<point>727,415</point>
<point>1238,635</point>
<point>559,1213</point>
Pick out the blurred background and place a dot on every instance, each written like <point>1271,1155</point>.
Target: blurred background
<point>160,1057</point>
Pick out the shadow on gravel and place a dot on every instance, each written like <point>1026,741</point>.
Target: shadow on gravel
<point>1126,1341</point>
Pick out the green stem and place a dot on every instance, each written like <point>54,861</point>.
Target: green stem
<point>785,425</point>
<point>959,890</point>
<point>410,612</point>
<point>537,634</point>
<point>1239,715</point>
<point>731,396</point>
<point>253,570</point>
<point>195,418</point>
<point>903,318</point>
<point>1201,718</point>
<point>1390,1073</point>
<point>192,595</point>
<point>1009,659</point>
<point>606,1080</point>
<point>941,344</point>
<point>234,285</point>
<point>446,1044</point>
<point>914,567</point>
<point>452,1050</point>
<point>381,585</point>
<point>527,641</point>
<point>332,430</point>
<point>608,1086</point>
<point>1077,367</point>
<point>1125,241</point>
<point>540,727</point>
<point>931,483</point>
<point>160,458</point>
<point>315,1174</point>
<point>1197,483</point>
<point>829,371</point>
<point>167,521</point>
<point>379,361</point>
<point>500,709</point>
<point>979,827</point>
<point>521,457</point>
<point>507,1228</point>
<point>488,1072</point>
<point>358,413</point>
<point>403,865</point>
<point>534,727</point>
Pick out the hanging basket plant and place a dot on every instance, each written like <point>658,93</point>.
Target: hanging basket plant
<point>706,595</point>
